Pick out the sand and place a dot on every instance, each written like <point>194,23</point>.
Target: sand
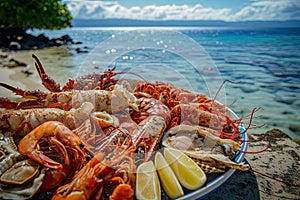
<point>18,76</point>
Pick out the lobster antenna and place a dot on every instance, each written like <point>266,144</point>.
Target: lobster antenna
<point>214,99</point>
<point>132,73</point>
<point>251,118</point>
<point>276,179</point>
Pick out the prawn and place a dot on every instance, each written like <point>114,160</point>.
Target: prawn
<point>61,139</point>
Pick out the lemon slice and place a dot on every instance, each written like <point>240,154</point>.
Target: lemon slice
<point>167,177</point>
<point>189,174</point>
<point>147,184</point>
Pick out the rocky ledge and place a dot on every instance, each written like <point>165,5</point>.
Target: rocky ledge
<point>281,161</point>
<point>18,39</point>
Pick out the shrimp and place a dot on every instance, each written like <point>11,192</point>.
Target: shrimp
<point>61,140</point>
<point>99,179</point>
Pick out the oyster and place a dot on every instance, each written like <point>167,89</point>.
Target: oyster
<point>8,152</point>
<point>23,191</point>
<point>212,153</point>
<point>20,173</point>
<point>19,178</point>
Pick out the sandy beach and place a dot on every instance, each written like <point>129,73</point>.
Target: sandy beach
<point>24,77</point>
<point>281,160</point>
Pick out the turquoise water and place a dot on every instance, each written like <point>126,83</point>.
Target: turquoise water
<point>264,62</point>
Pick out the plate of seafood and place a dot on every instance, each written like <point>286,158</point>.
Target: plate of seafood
<point>110,137</point>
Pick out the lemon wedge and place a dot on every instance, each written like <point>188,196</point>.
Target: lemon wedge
<point>189,174</point>
<point>167,177</point>
<point>147,183</point>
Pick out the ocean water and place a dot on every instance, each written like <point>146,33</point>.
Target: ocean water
<point>264,65</point>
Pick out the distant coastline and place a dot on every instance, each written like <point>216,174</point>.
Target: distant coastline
<point>182,23</point>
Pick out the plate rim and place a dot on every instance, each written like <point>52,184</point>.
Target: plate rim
<point>217,182</point>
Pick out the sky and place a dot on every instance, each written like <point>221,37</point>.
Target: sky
<point>226,10</point>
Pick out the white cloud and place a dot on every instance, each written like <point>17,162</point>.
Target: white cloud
<point>257,10</point>
<point>270,10</point>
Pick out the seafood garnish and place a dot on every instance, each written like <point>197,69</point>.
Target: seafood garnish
<point>152,123</point>
<point>95,81</point>
<point>198,134</point>
<point>215,160</point>
<point>189,108</point>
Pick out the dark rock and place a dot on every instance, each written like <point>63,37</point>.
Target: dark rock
<point>27,72</point>
<point>18,39</point>
<point>76,43</point>
<point>42,38</point>
<point>78,50</point>
<point>66,38</point>
<point>14,63</point>
<point>13,45</point>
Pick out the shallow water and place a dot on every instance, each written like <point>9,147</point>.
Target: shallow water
<point>264,62</point>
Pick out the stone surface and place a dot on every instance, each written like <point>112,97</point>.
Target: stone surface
<point>17,39</point>
<point>280,161</point>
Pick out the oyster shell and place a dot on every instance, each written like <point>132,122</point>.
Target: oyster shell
<point>8,152</point>
<point>24,191</point>
<point>19,179</point>
<point>20,173</point>
<point>210,152</point>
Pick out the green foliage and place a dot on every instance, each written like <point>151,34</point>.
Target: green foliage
<point>41,14</point>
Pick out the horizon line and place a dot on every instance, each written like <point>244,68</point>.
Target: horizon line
<point>76,22</point>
